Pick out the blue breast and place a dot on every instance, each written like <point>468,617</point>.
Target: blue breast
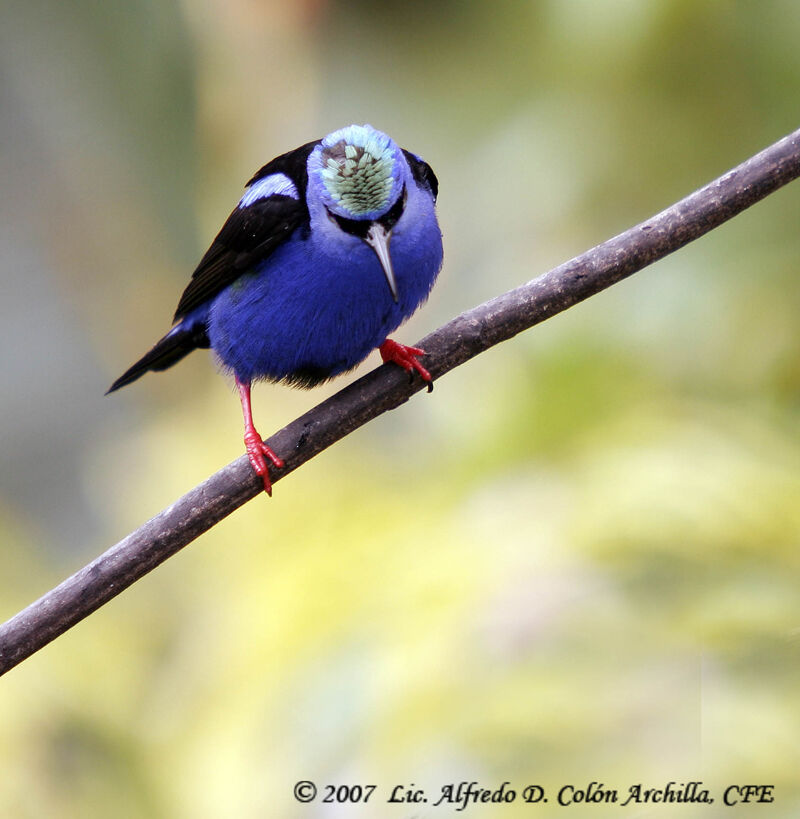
<point>320,303</point>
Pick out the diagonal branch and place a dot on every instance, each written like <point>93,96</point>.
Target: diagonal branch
<point>387,387</point>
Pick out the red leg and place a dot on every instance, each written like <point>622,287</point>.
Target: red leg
<point>405,357</point>
<point>256,448</point>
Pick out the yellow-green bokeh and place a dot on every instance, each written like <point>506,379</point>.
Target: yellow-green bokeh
<point>578,560</point>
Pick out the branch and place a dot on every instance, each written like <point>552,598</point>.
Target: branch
<point>387,387</point>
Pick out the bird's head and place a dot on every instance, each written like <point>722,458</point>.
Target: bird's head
<point>361,171</point>
<point>361,174</point>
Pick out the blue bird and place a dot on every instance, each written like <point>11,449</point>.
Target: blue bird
<point>332,246</point>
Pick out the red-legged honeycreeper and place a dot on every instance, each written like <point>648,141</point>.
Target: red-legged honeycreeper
<point>332,246</point>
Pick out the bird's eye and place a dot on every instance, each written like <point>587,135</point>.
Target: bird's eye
<point>392,216</point>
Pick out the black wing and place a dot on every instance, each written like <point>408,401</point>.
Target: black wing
<point>251,233</point>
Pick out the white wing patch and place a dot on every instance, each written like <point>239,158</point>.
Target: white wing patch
<point>275,183</point>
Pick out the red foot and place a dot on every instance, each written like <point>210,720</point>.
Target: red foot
<point>256,450</point>
<point>405,357</point>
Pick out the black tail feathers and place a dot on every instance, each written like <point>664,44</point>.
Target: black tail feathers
<point>175,345</point>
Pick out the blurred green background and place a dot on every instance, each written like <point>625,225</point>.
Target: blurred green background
<point>578,560</point>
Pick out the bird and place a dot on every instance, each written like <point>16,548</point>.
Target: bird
<point>332,246</point>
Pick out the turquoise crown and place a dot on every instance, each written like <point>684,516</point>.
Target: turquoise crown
<point>360,171</point>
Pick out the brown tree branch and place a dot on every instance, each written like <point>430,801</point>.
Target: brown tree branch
<point>387,387</point>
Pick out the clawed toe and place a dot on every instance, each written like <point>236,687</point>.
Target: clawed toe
<point>407,358</point>
<point>258,453</point>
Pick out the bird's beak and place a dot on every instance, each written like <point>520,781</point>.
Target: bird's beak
<point>378,239</point>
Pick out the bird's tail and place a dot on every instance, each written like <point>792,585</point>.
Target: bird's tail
<point>176,344</point>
